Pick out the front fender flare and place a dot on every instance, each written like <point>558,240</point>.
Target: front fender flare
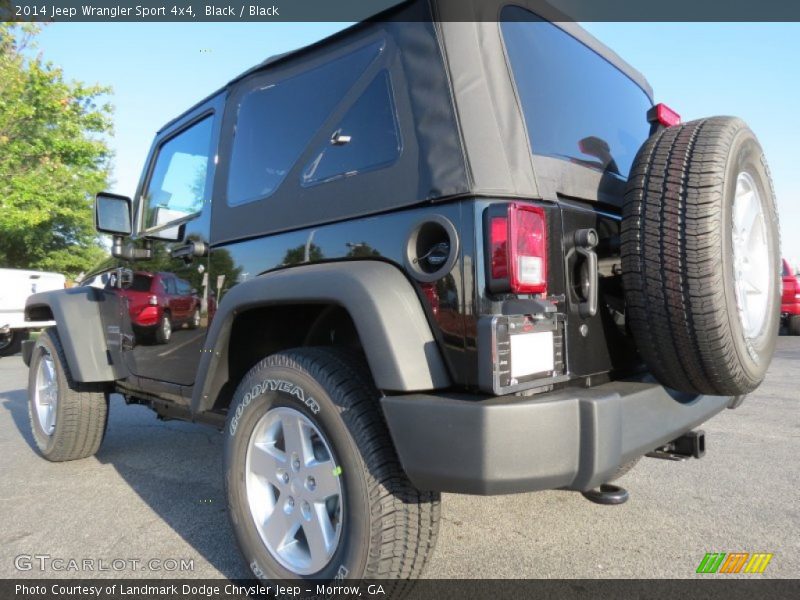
<point>77,313</point>
<point>391,324</point>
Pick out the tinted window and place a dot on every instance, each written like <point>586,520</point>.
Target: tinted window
<point>177,186</point>
<point>367,137</point>
<point>169,285</point>
<point>141,283</point>
<point>183,287</point>
<point>276,122</point>
<point>577,105</point>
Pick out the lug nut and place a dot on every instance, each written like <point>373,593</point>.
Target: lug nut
<point>285,477</point>
<point>311,484</point>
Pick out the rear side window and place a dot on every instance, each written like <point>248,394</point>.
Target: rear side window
<point>577,105</point>
<point>275,122</point>
<point>169,285</point>
<point>367,138</point>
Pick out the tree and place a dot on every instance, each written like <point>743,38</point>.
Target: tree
<point>53,160</point>
<point>302,254</point>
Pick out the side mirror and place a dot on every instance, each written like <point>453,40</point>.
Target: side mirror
<point>112,214</point>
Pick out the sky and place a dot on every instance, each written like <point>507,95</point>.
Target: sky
<point>157,70</point>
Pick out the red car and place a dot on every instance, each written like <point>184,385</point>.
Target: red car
<point>790,302</point>
<point>160,302</point>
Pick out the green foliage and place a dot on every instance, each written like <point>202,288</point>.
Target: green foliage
<point>302,254</point>
<point>53,160</point>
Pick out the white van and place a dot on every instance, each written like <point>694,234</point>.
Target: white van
<point>15,287</point>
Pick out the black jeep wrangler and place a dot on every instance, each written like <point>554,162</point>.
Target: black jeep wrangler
<point>430,256</point>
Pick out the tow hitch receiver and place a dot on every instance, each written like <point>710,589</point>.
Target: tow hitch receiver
<point>691,444</point>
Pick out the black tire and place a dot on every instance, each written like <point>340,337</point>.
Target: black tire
<point>388,528</point>
<point>677,258</point>
<point>81,413</point>
<point>163,332</point>
<point>11,343</point>
<point>794,325</point>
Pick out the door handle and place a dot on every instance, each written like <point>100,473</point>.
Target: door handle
<point>585,242</point>
<point>194,249</point>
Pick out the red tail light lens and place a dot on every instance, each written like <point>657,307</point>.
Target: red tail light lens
<point>499,247</point>
<point>528,256</point>
<point>517,249</point>
<point>664,115</point>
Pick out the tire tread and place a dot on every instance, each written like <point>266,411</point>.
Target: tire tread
<point>671,240</point>
<point>82,419</point>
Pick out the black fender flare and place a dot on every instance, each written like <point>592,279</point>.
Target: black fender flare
<point>80,327</point>
<point>394,332</point>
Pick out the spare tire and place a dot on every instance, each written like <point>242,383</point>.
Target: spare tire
<point>701,257</point>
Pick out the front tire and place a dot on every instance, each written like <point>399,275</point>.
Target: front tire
<point>194,322</point>
<point>794,325</point>
<point>68,419</point>
<point>370,523</point>
<point>11,342</point>
<point>163,331</point>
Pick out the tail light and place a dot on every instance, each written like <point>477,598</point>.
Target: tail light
<point>517,249</point>
<point>153,300</point>
<point>663,115</point>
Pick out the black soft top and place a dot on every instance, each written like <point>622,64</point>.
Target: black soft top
<point>460,120</point>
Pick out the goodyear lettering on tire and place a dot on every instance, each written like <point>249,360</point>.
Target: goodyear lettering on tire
<point>273,385</point>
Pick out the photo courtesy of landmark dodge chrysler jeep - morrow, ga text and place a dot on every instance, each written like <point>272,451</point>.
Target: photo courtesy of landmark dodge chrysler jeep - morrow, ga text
<point>430,256</point>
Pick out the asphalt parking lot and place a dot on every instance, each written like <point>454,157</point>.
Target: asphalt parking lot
<point>154,491</point>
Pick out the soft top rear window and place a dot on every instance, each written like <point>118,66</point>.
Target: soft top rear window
<point>577,105</point>
<point>276,120</point>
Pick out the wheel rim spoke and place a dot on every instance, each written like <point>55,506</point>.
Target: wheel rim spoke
<point>298,439</point>
<point>751,212</point>
<point>319,532</point>
<point>45,395</point>
<point>280,528</point>
<point>268,462</point>
<point>752,274</point>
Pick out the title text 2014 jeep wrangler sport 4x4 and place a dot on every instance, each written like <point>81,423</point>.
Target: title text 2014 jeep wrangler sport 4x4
<point>431,256</point>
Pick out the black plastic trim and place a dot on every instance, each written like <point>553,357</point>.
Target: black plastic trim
<point>76,312</point>
<point>391,324</point>
<point>573,439</point>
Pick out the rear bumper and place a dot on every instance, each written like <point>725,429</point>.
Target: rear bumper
<point>792,308</point>
<point>573,439</point>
